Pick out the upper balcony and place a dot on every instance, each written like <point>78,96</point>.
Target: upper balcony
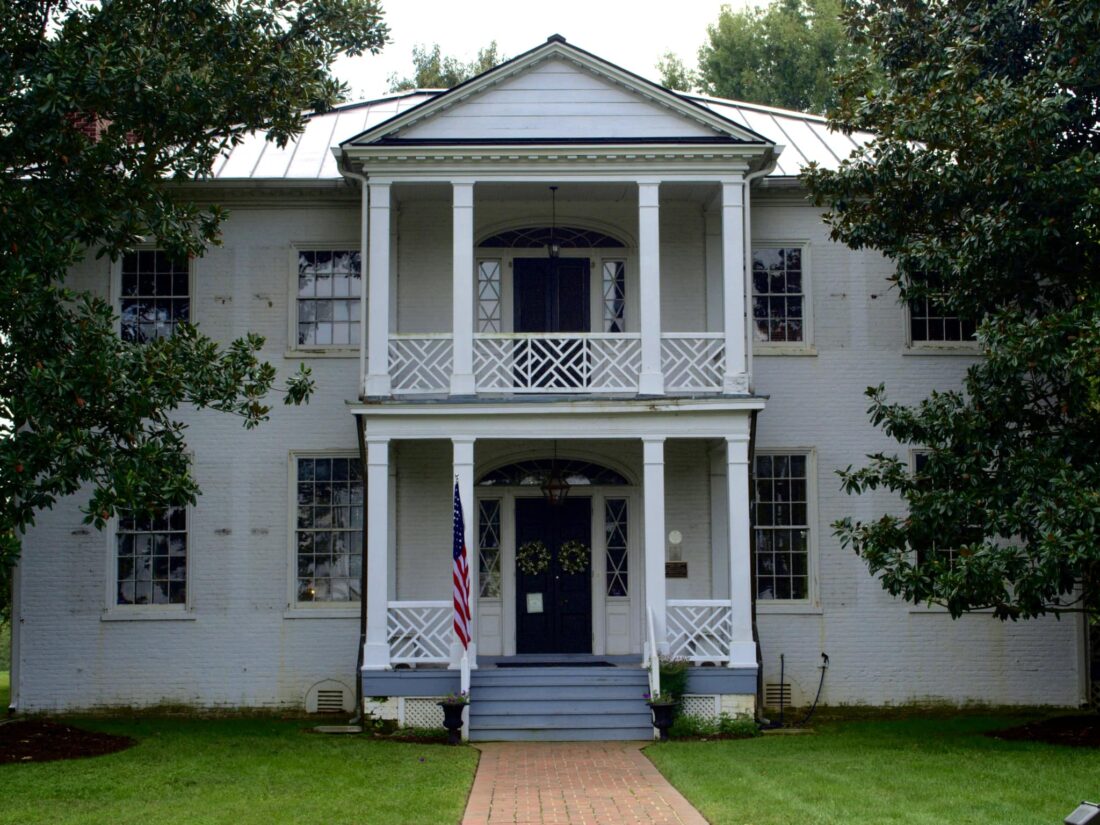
<point>565,288</point>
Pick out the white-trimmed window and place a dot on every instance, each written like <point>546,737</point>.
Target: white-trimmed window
<point>154,294</point>
<point>616,528</point>
<point>328,287</point>
<point>151,558</point>
<point>489,296</point>
<point>930,323</point>
<point>488,545</point>
<point>780,295</point>
<point>614,295</point>
<point>781,487</point>
<point>328,536</point>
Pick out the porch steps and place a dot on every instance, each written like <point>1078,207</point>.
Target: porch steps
<point>559,704</point>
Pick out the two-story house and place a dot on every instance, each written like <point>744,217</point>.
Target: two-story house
<point>608,313</point>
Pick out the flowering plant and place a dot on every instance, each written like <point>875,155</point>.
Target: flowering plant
<point>460,698</point>
<point>659,698</point>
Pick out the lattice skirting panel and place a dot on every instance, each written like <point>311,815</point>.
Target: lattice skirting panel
<point>420,712</point>
<point>706,706</point>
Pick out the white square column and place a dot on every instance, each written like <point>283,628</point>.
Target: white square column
<point>462,324</point>
<point>376,649</point>
<point>652,380</point>
<point>377,382</point>
<point>742,646</point>
<point>464,474</point>
<point>653,483</point>
<point>733,287</point>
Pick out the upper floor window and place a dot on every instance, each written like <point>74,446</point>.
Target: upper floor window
<point>329,282</point>
<point>930,322</point>
<point>781,484</point>
<point>155,295</point>
<point>614,296</point>
<point>778,295</point>
<point>151,557</point>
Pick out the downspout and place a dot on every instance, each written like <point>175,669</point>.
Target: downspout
<point>767,169</point>
<point>360,425</point>
<point>16,620</point>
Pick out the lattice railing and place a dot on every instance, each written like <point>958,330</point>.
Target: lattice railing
<point>421,363</point>
<point>419,632</point>
<point>699,630</point>
<point>587,362</point>
<point>693,360</point>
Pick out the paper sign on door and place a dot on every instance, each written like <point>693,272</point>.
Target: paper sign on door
<point>534,602</point>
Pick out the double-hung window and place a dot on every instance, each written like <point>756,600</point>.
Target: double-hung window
<point>155,295</point>
<point>780,313</point>
<point>329,285</point>
<point>151,557</point>
<point>931,323</point>
<point>328,536</point>
<point>781,487</point>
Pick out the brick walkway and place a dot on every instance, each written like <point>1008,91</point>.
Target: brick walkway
<point>567,783</point>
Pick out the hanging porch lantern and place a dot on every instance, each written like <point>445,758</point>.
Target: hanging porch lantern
<point>553,249</point>
<point>554,486</point>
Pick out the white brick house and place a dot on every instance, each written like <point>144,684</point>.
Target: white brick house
<point>695,343</point>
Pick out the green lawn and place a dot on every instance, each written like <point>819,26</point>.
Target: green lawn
<point>241,771</point>
<point>907,771</point>
<point>5,691</point>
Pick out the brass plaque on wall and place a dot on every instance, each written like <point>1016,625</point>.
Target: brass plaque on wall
<point>676,569</point>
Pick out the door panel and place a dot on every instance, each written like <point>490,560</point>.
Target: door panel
<point>564,624</point>
<point>550,296</point>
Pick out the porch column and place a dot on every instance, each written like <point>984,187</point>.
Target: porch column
<point>652,380</point>
<point>462,324</point>
<point>742,647</point>
<point>653,481</point>
<point>733,287</point>
<point>376,650</point>
<point>377,382</point>
<point>464,472</point>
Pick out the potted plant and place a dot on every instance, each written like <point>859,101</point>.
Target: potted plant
<point>453,704</point>
<point>663,706</point>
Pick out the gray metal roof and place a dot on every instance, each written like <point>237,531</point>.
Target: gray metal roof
<point>805,137</point>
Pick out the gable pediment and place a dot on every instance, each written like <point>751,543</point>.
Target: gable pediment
<point>554,93</point>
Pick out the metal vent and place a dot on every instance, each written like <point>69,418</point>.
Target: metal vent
<point>330,701</point>
<point>777,693</point>
<point>330,696</point>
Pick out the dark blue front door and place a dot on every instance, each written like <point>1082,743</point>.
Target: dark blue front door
<point>553,607</point>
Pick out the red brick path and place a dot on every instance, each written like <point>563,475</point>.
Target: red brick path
<point>566,783</point>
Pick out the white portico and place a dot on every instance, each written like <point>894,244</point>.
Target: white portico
<point>555,284</point>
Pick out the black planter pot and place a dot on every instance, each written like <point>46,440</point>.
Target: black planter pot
<point>452,721</point>
<point>663,714</point>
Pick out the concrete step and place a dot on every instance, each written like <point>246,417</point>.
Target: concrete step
<point>491,692</point>
<point>644,734</point>
<point>551,721</point>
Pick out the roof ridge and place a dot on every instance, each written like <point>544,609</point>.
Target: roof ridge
<point>760,107</point>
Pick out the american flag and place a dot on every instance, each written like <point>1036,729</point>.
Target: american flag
<point>461,575</point>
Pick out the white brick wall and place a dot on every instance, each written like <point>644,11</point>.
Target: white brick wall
<point>239,645</point>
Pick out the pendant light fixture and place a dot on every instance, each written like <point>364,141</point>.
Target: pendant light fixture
<point>554,485</point>
<point>552,248</point>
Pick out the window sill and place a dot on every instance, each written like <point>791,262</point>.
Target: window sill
<point>322,612</point>
<point>773,349</point>
<point>788,608</point>
<point>971,350</point>
<point>321,353</point>
<point>144,614</point>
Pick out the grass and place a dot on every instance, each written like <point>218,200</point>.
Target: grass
<point>5,691</point>
<point>244,772</point>
<point>911,771</point>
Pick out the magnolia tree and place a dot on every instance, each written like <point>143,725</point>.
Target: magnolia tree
<point>982,184</point>
<point>103,106</point>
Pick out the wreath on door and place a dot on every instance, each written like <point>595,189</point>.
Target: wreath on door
<point>573,557</point>
<point>533,558</point>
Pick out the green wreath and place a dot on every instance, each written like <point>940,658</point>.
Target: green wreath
<point>573,557</point>
<point>533,558</point>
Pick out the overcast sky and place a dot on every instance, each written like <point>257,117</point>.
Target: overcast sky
<point>619,31</point>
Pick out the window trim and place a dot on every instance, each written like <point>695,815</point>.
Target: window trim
<point>807,345</point>
<point>911,347</point>
<point>293,349</point>
<point>114,289</point>
<point>113,611</point>
<point>812,602</point>
<point>313,610</point>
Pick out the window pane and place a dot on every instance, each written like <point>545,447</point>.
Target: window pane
<point>616,526</point>
<point>328,297</point>
<point>147,276</point>
<point>780,490</point>
<point>151,551</point>
<point>329,537</point>
<point>778,302</point>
